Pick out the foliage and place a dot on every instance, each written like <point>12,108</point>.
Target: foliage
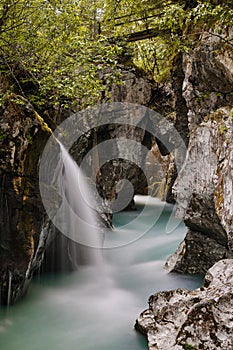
<point>189,347</point>
<point>3,136</point>
<point>231,114</point>
<point>55,51</point>
<point>49,50</point>
<point>177,25</point>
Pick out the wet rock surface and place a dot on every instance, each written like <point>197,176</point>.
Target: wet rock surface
<point>21,210</point>
<point>125,160</point>
<point>199,319</point>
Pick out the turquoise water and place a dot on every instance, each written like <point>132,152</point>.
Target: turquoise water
<point>96,308</point>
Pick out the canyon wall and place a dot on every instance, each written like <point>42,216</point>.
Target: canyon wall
<point>199,103</point>
<point>21,214</point>
<point>204,187</point>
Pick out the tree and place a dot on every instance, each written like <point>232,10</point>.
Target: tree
<point>55,50</point>
<point>49,50</point>
<point>169,27</point>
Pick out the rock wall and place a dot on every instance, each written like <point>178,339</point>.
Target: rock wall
<point>204,194</point>
<point>21,210</point>
<point>28,240</point>
<point>207,84</point>
<point>122,161</point>
<point>203,189</point>
<point>136,88</point>
<point>201,319</point>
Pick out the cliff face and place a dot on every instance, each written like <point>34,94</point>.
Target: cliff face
<point>207,84</point>
<point>21,212</point>
<point>204,186</point>
<point>201,319</point>
<point>204,195</point>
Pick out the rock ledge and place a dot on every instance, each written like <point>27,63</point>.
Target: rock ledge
<point>200,319</point>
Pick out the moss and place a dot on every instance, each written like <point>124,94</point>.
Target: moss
<point>222,129</point>
<point>208,95</point>
<point>231,114</point>
<point>3,136</point>
<point>44,125</point>
<point>187,346</point>
<point>219,201</point>
<point>217,116</point>
<point>26,106</point>
<point>29,137</point>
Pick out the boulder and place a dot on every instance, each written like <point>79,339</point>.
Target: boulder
<point>200,319</point>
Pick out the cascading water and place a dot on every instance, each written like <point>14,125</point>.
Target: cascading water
<point>75,216</point>
<point>9,289</point>
<point>86,312</point>
<point>89,309</point>
<point>81,310</point>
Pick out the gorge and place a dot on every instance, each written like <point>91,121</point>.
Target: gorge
<point>139,156</point>
<point>95,307</point>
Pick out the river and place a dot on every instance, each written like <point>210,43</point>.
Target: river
<point>95,308</point>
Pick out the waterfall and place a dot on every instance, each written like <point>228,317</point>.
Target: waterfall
<point>9,289</point>
<point>76,217</point>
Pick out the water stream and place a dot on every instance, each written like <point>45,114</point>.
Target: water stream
<point>93,309</point>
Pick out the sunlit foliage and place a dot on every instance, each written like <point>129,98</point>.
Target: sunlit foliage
<point>55,50</point>
<point>52,50</point>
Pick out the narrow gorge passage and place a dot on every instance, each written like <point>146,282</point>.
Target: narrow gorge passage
<point>96,308</point>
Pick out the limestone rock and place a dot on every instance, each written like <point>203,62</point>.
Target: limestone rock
<point>123,159</point>
<point>203,191</point>
<point>208,78</point>
<point>196,254</point>
<point>200,319</point>
<point>136,88</point>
